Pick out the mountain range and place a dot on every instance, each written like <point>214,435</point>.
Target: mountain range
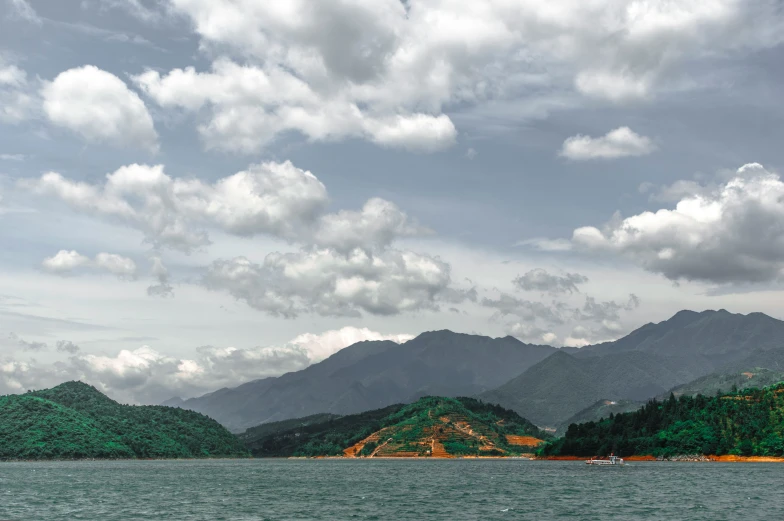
<point>544,384</point>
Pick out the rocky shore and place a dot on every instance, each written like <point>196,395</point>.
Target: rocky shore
<point>684,457</point>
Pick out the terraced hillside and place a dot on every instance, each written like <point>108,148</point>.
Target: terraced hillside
<point>430,427</point>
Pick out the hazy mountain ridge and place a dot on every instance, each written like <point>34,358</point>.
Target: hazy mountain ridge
<point>646,363</point>
<point>373,374</point>
<point>542,383</point>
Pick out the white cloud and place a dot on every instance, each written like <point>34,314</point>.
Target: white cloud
<point>621,142</point>
<point>343,263</point>
<point>378,224</point>
<point>327,283</point>
<point>730,234</point>
<point>252,105</point>
<point>99,107</point>
<point>273,198</point>
<point>66,262</point>
<point>391,72</point>
<point>144,375</point>
<point>12,157</point>
<point>116,264</point>
<point>323,345</point>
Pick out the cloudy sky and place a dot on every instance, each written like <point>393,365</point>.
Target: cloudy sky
<point>195,193</point>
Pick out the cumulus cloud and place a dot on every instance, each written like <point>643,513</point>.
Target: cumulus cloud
<point>99,107</point>
<point>323,345</point>
<point>390,72</point>
<point>377,225</point>
<point>730,234</point>
<point>540,280</point>
<point>115,264</point>
<point>621,142</point>
<point>343,263</point>
<point>250,106</point>
<point>273,198</point>
<point>327,283</point>
<point>67,261</point>
<point>145,375</point>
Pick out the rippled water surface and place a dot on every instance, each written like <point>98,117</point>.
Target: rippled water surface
<point>388,489</point>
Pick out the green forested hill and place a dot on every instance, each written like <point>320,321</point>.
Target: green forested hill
<point>745,423</point>
<point>431,426</point>
<point>75,421</point>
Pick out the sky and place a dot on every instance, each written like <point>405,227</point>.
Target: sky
<point>198,193</point>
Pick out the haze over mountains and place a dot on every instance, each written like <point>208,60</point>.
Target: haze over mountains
<point>374,374</point>
<point>544,384</point>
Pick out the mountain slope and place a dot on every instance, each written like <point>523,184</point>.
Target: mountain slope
<point>370,375</point>
<point>708,385</point>
<point>722,336</point>
<point>646,363</point>
<point>554,390</point>
<point>429,427</point>
<point>74,420</point>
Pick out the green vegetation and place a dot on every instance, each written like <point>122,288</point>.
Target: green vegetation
<point>746,423</point>
<point>599,410</point>
<point>318,439</point>
<point>725,382</point>
<point>266,429</point>
<point>76,421</point>
<point>465,426</point>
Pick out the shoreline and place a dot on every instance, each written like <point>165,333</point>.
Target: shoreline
<point>637,458</point>
<point>680,459</point>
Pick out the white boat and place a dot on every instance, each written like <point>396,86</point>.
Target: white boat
<point>612,460</point>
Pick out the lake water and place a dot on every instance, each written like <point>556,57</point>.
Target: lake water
<point>388,490</point>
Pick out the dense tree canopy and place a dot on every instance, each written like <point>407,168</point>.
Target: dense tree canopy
<point>746,423</point>
<point>75,421</point>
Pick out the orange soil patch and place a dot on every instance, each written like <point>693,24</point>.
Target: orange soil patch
<point>726,458</point>
<point>523,441</point>
<point>353,451</point>
<point>438,450</point>
<point>747,459</point>
<point>748,375</point>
